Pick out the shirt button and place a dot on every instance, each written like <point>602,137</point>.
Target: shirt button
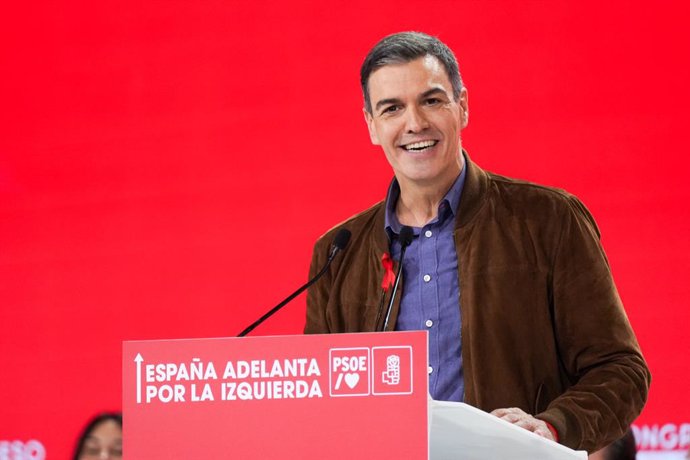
<point>429,323</point>
<point>427,278</point>
<point>428,233</point>
<point>430,369</point>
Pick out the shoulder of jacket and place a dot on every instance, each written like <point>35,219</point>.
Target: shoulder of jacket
<point>527,187</point>
<point>518,189</point>
<point>543,200</point>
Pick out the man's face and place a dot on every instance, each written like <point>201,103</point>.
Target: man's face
<point>417,122</point>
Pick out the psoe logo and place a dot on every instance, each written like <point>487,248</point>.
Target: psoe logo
<point>392,370</point>
<point>349,371</point>
<point>18,450</point>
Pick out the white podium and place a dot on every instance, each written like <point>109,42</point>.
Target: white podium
<point>461,432</point>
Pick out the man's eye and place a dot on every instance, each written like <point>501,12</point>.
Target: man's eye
<point>390,109</point>
<point>432,101</point>
<point>91,450</point>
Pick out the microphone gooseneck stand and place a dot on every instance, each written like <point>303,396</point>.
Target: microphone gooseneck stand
<point>339,242</point>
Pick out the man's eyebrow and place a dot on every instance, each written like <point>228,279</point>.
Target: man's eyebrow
<point>383,102</point>
<point>431,92</point>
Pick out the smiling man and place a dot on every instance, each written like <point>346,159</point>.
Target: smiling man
<point>509,278</point>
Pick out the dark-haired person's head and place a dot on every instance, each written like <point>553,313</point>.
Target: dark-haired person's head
<point>101,438</point>
<point>622,449</point>
<point>415,109</point>
<point>404,47</point>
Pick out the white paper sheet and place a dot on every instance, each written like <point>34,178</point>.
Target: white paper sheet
<point>461,432</point>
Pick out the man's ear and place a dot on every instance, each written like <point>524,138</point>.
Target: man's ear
<point>464,108</point>
<point>369,119</point>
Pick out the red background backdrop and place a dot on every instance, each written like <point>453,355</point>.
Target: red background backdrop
<point>165,168</point>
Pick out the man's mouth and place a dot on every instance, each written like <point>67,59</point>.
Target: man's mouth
<point>419,146</point>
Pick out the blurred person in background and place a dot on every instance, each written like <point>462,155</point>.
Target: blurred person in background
<point>101,438</point>
<point>623,449</point>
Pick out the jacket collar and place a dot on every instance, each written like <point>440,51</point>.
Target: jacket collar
<point>473,194</point>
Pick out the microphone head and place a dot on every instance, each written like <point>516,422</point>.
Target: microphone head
<point>341,239</point>
<point>405,236</point>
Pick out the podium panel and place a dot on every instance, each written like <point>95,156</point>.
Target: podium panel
<point>339,396</point>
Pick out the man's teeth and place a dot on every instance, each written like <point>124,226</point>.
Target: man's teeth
<point>420,145</point>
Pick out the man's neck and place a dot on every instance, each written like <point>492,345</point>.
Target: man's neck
<point>418,204</point>
<point>416,210</point>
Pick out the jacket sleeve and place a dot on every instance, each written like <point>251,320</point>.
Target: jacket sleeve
<point>597,347</point>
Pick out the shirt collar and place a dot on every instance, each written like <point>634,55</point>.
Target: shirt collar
<point>451,199</point>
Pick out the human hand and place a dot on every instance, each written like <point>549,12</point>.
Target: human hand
<point>524,420</point>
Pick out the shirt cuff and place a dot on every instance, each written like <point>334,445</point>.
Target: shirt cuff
<point>552,430</point>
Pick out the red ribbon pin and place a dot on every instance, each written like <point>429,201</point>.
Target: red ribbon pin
<point>389,275</point>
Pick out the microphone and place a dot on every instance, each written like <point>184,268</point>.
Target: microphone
<point>405,237</point>
<point>339,243</point>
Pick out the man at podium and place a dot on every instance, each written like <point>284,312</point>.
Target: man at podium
<point>508,277</point>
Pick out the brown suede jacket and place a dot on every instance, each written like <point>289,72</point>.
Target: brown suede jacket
<point>543,327</point>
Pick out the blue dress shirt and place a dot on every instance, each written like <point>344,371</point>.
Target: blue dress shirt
<point>431,294</point>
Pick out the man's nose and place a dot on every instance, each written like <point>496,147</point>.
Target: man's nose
<point>415,121</point>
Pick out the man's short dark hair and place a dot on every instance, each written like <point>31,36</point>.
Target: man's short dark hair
<point>622,449</point>
<point>404,47</point>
